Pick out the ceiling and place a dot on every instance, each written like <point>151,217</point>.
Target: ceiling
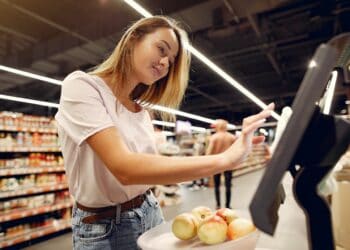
<point>265,45</point>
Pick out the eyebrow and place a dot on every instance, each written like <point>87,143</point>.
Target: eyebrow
<point>167,44</point>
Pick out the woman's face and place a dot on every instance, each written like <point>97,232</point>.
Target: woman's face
<point>154,55</point>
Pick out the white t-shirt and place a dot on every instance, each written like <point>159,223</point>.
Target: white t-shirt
<point>87,106</point>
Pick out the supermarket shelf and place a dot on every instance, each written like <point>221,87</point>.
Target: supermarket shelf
<point>246,170</point>
<point>251,163</point>
<point>28,149</point>
<point>33,190</point>
<point>57,226</point>
<point>32,130</point>
<point>22,213</point>
<point>30,170</point>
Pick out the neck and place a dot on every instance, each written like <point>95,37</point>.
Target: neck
<point>123,95</point>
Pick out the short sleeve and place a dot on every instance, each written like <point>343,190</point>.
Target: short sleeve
<point>82,111</point>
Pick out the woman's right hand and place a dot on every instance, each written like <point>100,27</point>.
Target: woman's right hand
<point>238,151</point>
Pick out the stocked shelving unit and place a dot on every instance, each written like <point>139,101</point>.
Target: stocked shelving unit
<point>256,160</point>
<point>34,198</point>
<point>53,227</point>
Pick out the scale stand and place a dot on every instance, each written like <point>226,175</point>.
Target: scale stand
<point>325,140</point>
<point>312,140</point>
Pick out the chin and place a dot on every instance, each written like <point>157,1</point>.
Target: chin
<point>148,83</point>
<point>150,80</point>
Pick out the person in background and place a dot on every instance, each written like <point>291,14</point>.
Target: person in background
<point>220,141</point>
<point>107,138</point>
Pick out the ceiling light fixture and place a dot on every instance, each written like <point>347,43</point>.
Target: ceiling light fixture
<point>30,75</point>
<point>139,8</point>
<point>161,123</point>
<point>188,115</point>
<point>30,101</point>
<point>173,125</point>
<point>167,133</point>
<point>210,64</point>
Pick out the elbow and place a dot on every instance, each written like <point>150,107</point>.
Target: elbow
<point>121,171</point>
<point>124,180</point>
<point>128,180</point>
<point>122,176</point>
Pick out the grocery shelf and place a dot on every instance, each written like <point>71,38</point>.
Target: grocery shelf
<point>56,226</point>
<point>245,170</point>
<point>22,213</point>
<point>28,149</point>
<point>31,130</point>
<point>251,163</point>
<point>33,190</point>
<point>30,163</point>
<point>30,170</point>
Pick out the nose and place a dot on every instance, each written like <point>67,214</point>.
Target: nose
<point>164,61</point>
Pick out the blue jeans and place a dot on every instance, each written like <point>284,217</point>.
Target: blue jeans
<point>118,233</point>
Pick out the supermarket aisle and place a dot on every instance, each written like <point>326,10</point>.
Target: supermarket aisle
<point>290,233</point>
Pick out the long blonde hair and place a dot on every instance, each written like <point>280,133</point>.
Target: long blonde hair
<point>168,91</point>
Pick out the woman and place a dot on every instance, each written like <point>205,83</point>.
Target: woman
<point>108,142</point>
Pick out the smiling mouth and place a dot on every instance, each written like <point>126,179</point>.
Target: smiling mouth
<point>156,72</point>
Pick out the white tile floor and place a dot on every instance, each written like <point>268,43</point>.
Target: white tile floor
<point>290,233</point>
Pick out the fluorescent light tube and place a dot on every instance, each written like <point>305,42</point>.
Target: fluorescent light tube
<point>27,100</point>
<point>172,124</point>
<point>30,75</point>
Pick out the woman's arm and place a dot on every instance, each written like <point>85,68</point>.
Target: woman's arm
<point>137,168</point>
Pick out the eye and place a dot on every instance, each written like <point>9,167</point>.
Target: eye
<point>162,50</point>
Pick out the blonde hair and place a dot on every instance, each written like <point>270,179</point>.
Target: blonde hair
<point>168,91</point>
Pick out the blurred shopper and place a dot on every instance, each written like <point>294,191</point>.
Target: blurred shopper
<point>220,141</point>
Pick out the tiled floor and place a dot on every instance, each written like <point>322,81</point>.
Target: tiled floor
<point>290,233</point>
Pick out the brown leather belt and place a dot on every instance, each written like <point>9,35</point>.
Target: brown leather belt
<point>110,212</point>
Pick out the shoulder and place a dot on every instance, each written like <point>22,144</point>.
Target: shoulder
<point>78,76</point>
<point>232,136</point>
<point>214,137</point>
<point>79,82</point>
